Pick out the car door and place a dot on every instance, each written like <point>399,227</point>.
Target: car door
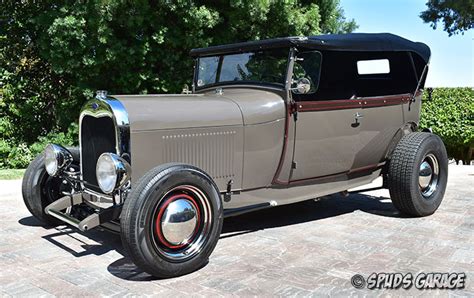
<point>326,139</point>
<point>382,120</point>
<point>327,128</point>
<point>382,114</point>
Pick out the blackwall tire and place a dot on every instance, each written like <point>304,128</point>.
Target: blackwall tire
<point>143,223</point>
<point>417,174</point>
<point>39,189</point>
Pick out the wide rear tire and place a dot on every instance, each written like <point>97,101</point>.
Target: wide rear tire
<point>171,220</point>
<point>417,174</point>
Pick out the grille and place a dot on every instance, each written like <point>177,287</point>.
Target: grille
<point>97,137</point>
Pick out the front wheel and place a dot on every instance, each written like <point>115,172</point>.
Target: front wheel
<point>171,220</point>
<point>39,189</point>
<point>417,174</point>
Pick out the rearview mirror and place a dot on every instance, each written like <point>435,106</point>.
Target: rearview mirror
<point>303,85</point>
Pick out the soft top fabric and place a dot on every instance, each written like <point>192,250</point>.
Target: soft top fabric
<point>370,42</point>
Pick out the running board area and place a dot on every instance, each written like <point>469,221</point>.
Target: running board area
<point>247,209</point>
<point>56,208</point>
<point>367,189</point>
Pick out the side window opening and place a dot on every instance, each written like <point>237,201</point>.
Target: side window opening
<point>307,65</point>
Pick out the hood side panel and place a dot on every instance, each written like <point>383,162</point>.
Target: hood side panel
<point>216,150</point>
<point>155,112</point>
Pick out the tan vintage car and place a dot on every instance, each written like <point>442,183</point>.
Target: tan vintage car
<point>267,123</point>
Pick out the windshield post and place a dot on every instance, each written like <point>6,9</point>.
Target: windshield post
<point>289,73</point>
<point>195,70</point>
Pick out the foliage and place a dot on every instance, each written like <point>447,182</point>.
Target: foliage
<point>5,149</point>
<point>70,138</point>
<point>17,156</point>
<point>450,113</point>
<point>332,17</point>
<point>54,54</point>
<point>456,15</point>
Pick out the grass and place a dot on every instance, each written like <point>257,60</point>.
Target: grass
<point>11,174</point>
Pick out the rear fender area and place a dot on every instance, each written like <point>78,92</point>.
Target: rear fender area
<point>409,127</point>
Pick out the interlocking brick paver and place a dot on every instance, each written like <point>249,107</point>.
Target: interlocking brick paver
<point>24,289</point>
<point>306,249</point>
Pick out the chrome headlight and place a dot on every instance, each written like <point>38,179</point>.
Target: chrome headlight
<point>56,159</point>
<point>112,172</point>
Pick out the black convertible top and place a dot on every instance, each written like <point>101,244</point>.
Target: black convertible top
<point>370,42</point>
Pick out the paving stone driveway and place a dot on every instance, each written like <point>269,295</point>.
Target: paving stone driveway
<point>309,248</point>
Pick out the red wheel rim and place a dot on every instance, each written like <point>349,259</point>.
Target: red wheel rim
<point>181,222</point>
<point>158,227</point>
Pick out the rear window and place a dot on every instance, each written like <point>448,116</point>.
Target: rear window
<point>377,66</point>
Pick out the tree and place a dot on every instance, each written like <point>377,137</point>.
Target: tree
<point>56,53</point>
<point>456,15</point>
<point>332,17</point>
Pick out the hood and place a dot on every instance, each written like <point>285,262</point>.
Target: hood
<point>156,112</point>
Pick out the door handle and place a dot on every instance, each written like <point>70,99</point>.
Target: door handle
<point>358,116</point>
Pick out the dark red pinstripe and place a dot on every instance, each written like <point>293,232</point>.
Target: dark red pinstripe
<point>370,102</point>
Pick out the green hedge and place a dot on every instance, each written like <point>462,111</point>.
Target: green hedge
<point>450,113</point>
<point>18,156</point>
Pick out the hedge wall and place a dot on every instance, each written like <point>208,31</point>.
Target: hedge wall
<point>449,112</point>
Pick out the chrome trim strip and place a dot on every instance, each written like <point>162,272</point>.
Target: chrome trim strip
<point>113,108</point>
<point>99,195</point>
<point>98,200</point>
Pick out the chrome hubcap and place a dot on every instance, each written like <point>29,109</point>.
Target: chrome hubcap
<point>182,223</point>
<point>179,221</point>
<point>428,175</point>
<point>425,174</point>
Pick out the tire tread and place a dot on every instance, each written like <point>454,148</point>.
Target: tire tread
<point>403,165</point>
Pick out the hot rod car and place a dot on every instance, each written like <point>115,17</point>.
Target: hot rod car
<point>267,123</point>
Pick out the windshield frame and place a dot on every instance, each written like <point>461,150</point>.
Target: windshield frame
<point>283,86</point>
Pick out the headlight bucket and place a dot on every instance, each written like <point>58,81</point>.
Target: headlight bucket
<point>56,159</point>
<point>112,172</point>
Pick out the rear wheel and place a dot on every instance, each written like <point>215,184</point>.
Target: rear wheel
<point>417,174</point>
<point>171,221</point>
<point>39,189</point>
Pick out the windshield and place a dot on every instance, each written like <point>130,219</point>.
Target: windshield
<point>268,66</point>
